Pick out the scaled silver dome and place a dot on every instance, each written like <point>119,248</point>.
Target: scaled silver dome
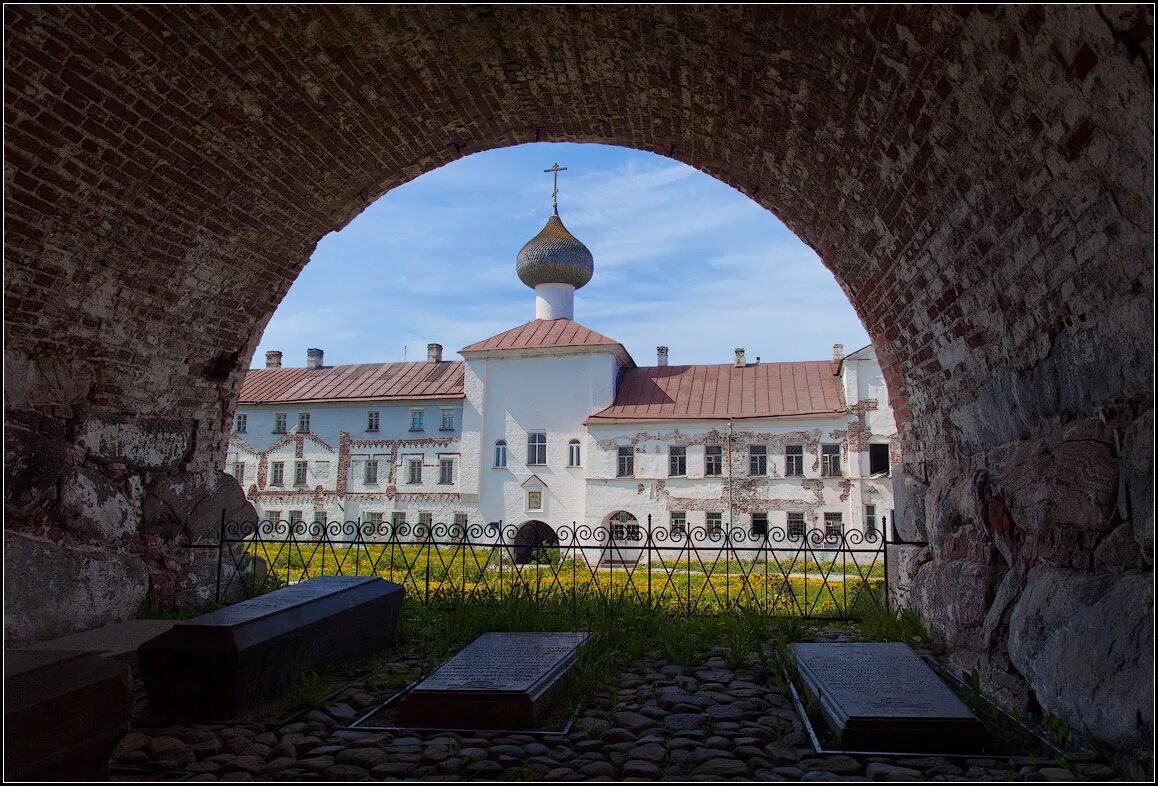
<point>554,256</point>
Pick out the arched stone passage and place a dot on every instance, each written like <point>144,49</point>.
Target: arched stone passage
<point>978,180</point>
<point>533,540</point>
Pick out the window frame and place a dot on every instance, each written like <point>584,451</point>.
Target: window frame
<point>622,454</point>
<point>273,516</point>
<point>373,420</point>
<point>303,423</point>
<point>715,527</point>
<point>366,475</point>
<point>758,460</point>
<point>411,462</point>
<point>677,461</point>
<point>301,517</point>
<point>759,526</point>
<point>678,527</point>
<point>277,473</point>
<point>446,470</point>
<point>381,518</point>
<point>799,519</point>
<point>301,468</point>
<point>791,459</point>
<point>535,447</point>
<point>534,493</point>
<point>239,471</point>
<point>500,454</point>
<point>574,454</point>
<point>417,416</point>
<point>240,422</point>
<point>830,454</point>
<point>829,517</point>
<point>280,423</point>
<point>888,459</point>
<point>443,414</point>
<point>713,454</point>
<point>870,519</point>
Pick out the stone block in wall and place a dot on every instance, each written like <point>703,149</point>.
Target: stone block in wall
<point>32,469</point>
<point>1119,551</point>
<point>93,508</point>
<point>1084,643</point>
<point>1136,490</point>
<point>904,562</point>
<point>908,507</point>
<point>953,598</point>
<point>955,517</point>
<point>194,501</point>
<point>140,443</point>
<point>51,590</point>
<point>43,382</point>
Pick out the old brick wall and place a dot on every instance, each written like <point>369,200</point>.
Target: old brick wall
<point>978,180</point>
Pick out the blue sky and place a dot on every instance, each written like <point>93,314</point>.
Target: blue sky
<point>680,259</point>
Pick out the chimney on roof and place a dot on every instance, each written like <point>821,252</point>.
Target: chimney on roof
<point>740,362</point>
<point>313,358</point>
<point>661,356</point>
<point>273,359</point>
<point>837,353</point>
<point>434,353</point>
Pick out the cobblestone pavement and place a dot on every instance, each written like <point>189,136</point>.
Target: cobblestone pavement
<point>659,722</point>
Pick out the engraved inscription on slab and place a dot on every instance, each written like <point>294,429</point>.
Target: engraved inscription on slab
<point>281,600</point>
<point>504,661</point>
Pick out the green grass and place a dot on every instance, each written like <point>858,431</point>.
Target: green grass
<point>306,691</point>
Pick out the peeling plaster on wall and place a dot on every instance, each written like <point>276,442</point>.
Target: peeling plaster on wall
<point>858,430</point>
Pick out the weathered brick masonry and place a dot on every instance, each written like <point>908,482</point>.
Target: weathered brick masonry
<point>978,180</point>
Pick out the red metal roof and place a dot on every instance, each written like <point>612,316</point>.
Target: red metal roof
<point>548,334</point>
<point>760,390</point>
<point>361,382</point>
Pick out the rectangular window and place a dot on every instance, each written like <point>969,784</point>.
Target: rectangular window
<point>277,473</point>
<point>371,471</point>
<point>870,519</point>
<point>300,473</point>
<point>795,526</point>
<point>715,524</point>
<point>372,420</point>
<point>425,519</point>
<point>460,523</point>
<point>303,423</point>
<point>447,420</point>
<point>759,525</point>
<point>239,423</point>
<point>374,518</point>
<point>714,460</point>
<point>279,423</point>
<point>625,467</point>
<point>537,447</point>
<point>273,515</point>
<point>446,471</point>
<point>573,453</point>
<point>794,461</point>
<point>295,517</point>
<point>757,459</point>
<point>879,460</point>
<point>833,526</point>
<point>679,524</point>
<point>830,461</point>
<point>534,500</point>
<point>239,471</point>
<point>416,419</point>
<point>414,471</point>
<point>677,462</point>
<point>399,518</point>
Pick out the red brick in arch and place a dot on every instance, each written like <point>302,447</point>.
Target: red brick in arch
<point>977,179</point>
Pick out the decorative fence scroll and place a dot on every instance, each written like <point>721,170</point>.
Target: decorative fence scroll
<point>813,574</point>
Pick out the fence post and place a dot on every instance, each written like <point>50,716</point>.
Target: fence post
<point>649,545</point>
<point>220,546</point>
<point>885,560</point>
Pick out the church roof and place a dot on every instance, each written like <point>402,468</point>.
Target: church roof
<point>554,256</point>
<point>711,392</point>
<point>549,334</point>
<point>358,382</point>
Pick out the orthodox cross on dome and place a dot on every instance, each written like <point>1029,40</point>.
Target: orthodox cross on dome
<point>555,194</point>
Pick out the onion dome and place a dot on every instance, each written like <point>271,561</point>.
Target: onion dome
<point>554,256</point>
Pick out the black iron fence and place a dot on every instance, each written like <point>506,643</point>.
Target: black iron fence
<point>812,573</point>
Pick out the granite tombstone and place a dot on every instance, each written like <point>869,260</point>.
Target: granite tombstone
<point>884,697</point>
<point>498,681</point>
<point>221,664</point>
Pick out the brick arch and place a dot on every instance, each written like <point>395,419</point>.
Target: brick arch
<point>978,181</point>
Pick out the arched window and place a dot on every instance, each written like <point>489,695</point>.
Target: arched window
<point>501,453</point>
<point>573,453</point>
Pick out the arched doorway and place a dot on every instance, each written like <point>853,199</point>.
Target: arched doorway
<point>625,539</point>
<point>536,542</point>
<point>977,179</point>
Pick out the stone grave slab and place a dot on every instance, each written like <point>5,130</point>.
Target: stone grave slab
<point>118,641</point>
<point>498,681</point>
<point>884,697</point>
<point>64,713</point>
<point>218,665</point>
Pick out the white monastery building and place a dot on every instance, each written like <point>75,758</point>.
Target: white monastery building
<point>553,428</point>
